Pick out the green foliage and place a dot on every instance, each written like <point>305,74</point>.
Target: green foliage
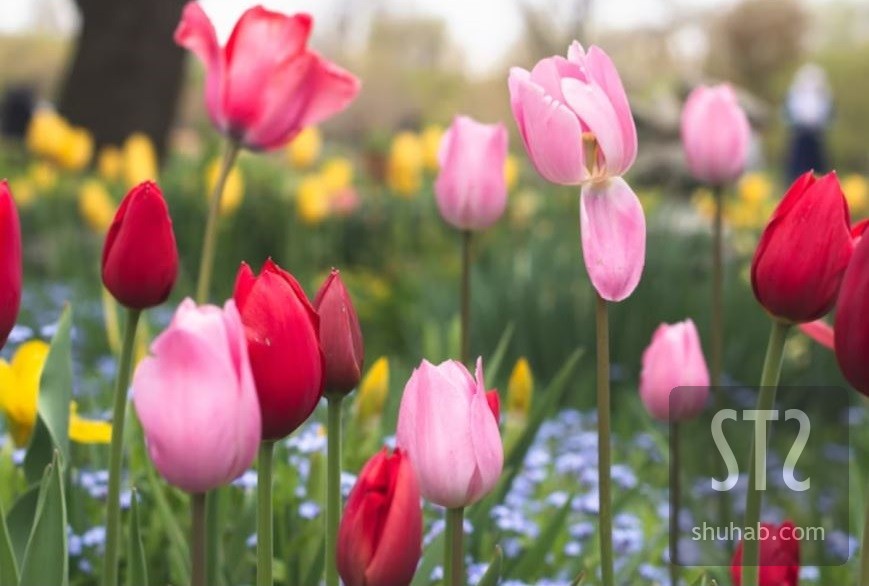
<point>45,557</point>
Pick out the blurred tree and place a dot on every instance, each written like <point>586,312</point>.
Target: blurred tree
<point>551,26</point>
<point>126,71</point>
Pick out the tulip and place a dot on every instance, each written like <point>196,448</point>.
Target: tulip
<point>715,134</point>
<point>10,262</point>
<point>379,541</point>
<point>803,251</point>
<point>674,359</point>
<point>140,260</point>
<point>449,429</point>
<point>431,137</point>
<point>281,328</point>
<point>851,329</point>
<point>139,159</point>
<point>340,336</point>
<point>779,557</point>
<point>110,163</point>
<point>520,388</point>
<point>304,150</point>
<point>405,163</point>
<point>820,331</point>
<point>265,85</point>
<point>233,188</point>
<point>470,189</point>
<point>96,206</point>
<point>196,399</point>
<point>373,391</point>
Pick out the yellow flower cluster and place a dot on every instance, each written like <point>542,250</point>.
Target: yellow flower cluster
<point>326,192</point>
<point>750,209</point>
<point>233,189</point>
<point>373,392</point>
<point>96,206</point>
<point>856,191</point>
<point>304,150</point>
<point>52,137</point>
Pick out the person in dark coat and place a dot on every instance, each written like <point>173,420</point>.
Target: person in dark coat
<point>809,111</point>
<point>16,110</point>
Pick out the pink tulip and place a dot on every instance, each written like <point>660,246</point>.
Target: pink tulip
<point>564,106</point>
<point>471,191</point>
<point>265,85</point>
<point>196,399</point>
<point>674,359</point>
<point>715,134</point>
<point>449,429</point>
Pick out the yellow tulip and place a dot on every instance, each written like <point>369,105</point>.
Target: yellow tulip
<point>856,192</point>
<point>405,163</point>
<point>96,205</point>
<point>704,202</point>
<point>373,391</point>
<point>312,200</point>
<point>43,174</point>
<point>431,146</point>
<point>755,187</point>
<point>110,163</point>
<point>140,160</point>
<point>45,132</point>
<point>303,151</point>
<point>23,190</point>
<point>520,388</point>
<point>19,394</point>
<point>511,172</point>
<point>233,189</point>
<point>75,150</point>
<point>337,174</point>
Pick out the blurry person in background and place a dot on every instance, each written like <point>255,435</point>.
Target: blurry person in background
<point>16,109</point>
<point>808,110</point>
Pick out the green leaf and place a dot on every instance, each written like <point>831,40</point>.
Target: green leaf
<point>8,563</point>
<point>493,573</point>
<point>578,580</point>
<point>20,520</point>
<point>51,431</point>
<point>431,557</point>
<point>493,366</point>
<point>45,559</point>
<point>528,565</point>
<point>137,566</point>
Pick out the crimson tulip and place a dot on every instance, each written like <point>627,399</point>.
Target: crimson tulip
<point>851,330</point>
<point>10,262</point>
<point>804,250</point>
<point>140,259</point>
<point>380,537</point>
<point>281,328</point>
<point>340,336</point>
<point>779,556</point>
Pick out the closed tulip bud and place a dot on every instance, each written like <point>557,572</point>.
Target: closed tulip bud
<point>779,557</point>
<point>281,328</point>
<point>140,260</point>
<point>520,388</point>
<point>715,134</point>
<point>373,391</point>
<point>803,251</point>
<point>265,85</point>
<point>10,262</point>
<point>196,399</point>
<point>340,336</point>
<point>380,537</point>
<point>674,359</point>
<point>449,428</point>
<point>851,330</point>
<point>470,189</point>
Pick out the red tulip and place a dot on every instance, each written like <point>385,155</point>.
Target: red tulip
<point>265,85</point>
<point>802,254</point>
<point>379,541</point>
<point>10,262</point>
<point>140,259</point>
<point>281,330</point>
<point>779,557</point>
<point>851,329</point>
<point>340,336</point>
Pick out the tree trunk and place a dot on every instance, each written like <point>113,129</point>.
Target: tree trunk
<point>127,71</point>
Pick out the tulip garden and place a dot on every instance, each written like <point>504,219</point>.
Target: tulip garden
<point>481,360</point>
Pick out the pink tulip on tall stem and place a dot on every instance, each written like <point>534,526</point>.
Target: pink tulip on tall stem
<point>577,127</point>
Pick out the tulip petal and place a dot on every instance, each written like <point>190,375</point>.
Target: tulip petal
<point>603,72</point>
<point>613,237</point>
<point>196,33</point>
<point>487,446</point>
<point>819,331</point>
<point>594,109</point>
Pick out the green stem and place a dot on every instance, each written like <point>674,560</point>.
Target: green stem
<point>757,458</point>
<point>717,291</point>
<point>675,501</point>
<point>198,538</point>
<point>209,244</point>
<point>116,456</point>
<point>864,554</point>
<point>333,487</point>
<point>605,525</point>
<point>264,530</point>
<point>466,296</point>
<point>454,552</point>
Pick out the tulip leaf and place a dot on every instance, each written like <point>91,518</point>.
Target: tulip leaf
<point>431,557</point>
<point>51,430</point>
<point>493,573</point>
<point>528,565</point>
<point>579,580</point>
<point>137,567</point>
<point>20,520</point>
<point>45,558</point>
<point>8,563</point>
<point>496,360</point>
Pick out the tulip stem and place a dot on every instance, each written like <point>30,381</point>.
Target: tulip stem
<point>864,553</point>
<point>717,290</point>
<point>605,522</point>
<point>675,501</point>
<point>757,457</point>
<point>454,553</point>
<point>116,455</point>
<point>264,548</point>
<point>209,244</point>
<point>198,539</point>
<point>466,296</point>
<point>333,487</point>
